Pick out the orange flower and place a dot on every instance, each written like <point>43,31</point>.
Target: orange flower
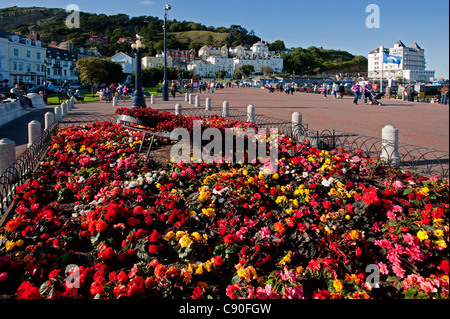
<point>13,224</point>
<point>279,227</point>
<point>160,270</point>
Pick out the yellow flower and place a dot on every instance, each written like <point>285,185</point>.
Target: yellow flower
<point>354,234</point>
<point>185,241</point>
<point>424,191</point>
<point>169,235</point>
<point>196,236</point>
<point>180,234</point>
<point>441,243</point>
<point>422,235</point>
<point>10,245</point>
<point>338,286</point>
<point>245,172</point>
<point>242,272</point>
<point>438,233</point>
<point>158,186</point>
<point>19,243</point>
<point>210,212</point>
<point>199,270</point>
<point>276,176</point>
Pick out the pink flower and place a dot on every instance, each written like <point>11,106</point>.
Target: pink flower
<point>397,185</point>
<point>265,232</point>
<point>383,268</point>
<point>3,276</point>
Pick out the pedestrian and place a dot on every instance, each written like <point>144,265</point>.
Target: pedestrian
<point>356,89</point>
<point>410,92</point>
<point>174,89</point>
<point>367,92</point>
<point>335,89</point>
<point>101,94</point>
<point>107,95</point>
<point>388,92</point>
<point>292,88</point>
<point>444,95</point>
<point>324,90</point>
<point>341,91</point>
<point>113,89</point>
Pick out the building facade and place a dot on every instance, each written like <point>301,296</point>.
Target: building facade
<point>61,66</point>
<point>181,58</point>
<point>25,60</point>
<point>411,68</point>
<point>230,60</point>
<point>156,61</point>
<point>4,62</point>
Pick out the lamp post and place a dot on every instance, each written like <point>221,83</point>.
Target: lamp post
<point>138,95</point>
<point>165,86</point>
<point>44,67</point>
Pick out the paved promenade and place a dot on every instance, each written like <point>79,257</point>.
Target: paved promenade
<point>420,124</point>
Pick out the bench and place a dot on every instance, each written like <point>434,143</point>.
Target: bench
<point>62,98</point>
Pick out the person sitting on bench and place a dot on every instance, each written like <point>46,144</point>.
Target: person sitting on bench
<point>78,96</point>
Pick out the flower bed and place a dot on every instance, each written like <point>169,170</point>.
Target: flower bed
<point>317,228</point>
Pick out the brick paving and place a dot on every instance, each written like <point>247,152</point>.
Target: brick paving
<point>420,124</point>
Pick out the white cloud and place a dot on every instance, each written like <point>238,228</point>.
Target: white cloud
<point>147,3</point>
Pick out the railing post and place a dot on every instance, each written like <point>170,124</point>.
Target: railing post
<point>49,120</point>
<point>197,101</point>
<point>226,109</point>
<point>34,131</point>
<point>208,104</point>
<point>58,114</point>
<point>152,99</point>
<point>8,152</point>
<point>297,124</point>
<point>251,114</point>
<point>389,145</point>
<point>178,109</point>
<point>64,109</point>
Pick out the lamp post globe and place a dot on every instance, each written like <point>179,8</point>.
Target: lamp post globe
<point>138,95</point>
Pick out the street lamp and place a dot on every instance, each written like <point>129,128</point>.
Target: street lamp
<point>165,86</point>
<point>138,95</point>
<point>44,67</point>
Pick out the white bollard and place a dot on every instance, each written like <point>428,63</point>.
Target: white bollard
<point>226,109</point>
<point>389,144</point>
<point>34,131</point>
<point>8,151</point>
<point>297,124</point>
<point>191,99</point>
<point>58,114</point>
<point>208,104</point>
<point>114,101</point>
<point>197,101</point>
<point>64,109</point>
<point>251,114</point>
<point>186,97</point>
<point>49,120</point>
<point>178,109</point>
<point>152,99</point>
<point>71,103</point>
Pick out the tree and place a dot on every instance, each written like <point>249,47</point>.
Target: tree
<point>91,71</point>
<point>267,70</point>
<point>247,70</point>
<point>277,46</point>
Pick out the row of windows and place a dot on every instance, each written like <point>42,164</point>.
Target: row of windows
<point>16,53</point>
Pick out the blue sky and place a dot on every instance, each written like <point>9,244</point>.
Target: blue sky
<point>332,24</point>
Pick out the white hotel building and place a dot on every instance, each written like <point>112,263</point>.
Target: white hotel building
<point>213,59</point>
<point>411,68</point>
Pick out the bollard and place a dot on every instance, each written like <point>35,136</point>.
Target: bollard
<point>251,114</point>
<point>58,114</point>
<point>8,151</point>
<point>186,97</point>
<point>49,120</point>
<point>71,103</point>
<point>197,101</point>
<point>208,104</point>
<point>191,99</point>
<point>114,101</point>
<point>178,109</point>
<point>64,109</point>
<point>226,109</point>
<point>389,145</point>
<point>34,131</point>
<point>297,124</point>
<point>152,99</point>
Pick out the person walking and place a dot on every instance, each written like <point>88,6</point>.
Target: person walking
<point>174,89</point>
<point>341,91</point>
<point>356,89</point>
<point>444,95</point>
<point>410,92</point>
<point>367,92</point>
<point>335,89</point>
<point>324,90</point>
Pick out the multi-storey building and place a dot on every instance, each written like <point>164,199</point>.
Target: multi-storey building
<point>61,66</point>
<point>412,66</point>
<point>4,62</point>
<point>156,61</point>
<point>181,58</point>
<point>25,59</point>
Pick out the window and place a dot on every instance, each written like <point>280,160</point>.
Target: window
<point>28,53</point>
<point>16,52</point>
<point>28,67</point>
<point>38,55</point>
<point>14,66</point>
<point>20,66</point>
